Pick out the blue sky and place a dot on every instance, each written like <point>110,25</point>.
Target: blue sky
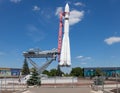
<point>94,30</point>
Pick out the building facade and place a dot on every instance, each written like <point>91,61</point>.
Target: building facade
<point>107,71</point>
<point>88,72</point>
<point>10,72</point>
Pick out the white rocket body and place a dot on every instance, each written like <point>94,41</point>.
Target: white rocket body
<point>65,57</point>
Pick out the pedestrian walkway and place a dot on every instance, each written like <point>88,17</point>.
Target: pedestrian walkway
<point>97,91</point>
<point>74,92</point>
<point>59,90</point>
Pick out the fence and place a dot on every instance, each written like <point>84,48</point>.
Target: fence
<point>12,84</point>
<point>58,80</point>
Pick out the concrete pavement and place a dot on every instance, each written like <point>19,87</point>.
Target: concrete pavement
<point>59,90</point>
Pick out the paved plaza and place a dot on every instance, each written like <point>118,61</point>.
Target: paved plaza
<point>82,86</point>
<point>59,90</point>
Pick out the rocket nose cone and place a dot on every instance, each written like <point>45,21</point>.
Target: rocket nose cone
<point>67,5</point>
<point>67,8</point>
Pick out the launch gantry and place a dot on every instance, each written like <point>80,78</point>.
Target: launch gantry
<point>63,51</point>
<point>49,55</point>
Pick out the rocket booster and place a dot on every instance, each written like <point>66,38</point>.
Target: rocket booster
<point>65,57</point>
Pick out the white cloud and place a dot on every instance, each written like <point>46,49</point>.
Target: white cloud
<point>58,10</point>
<point>78,4</point>
<point>88,58</point>
<point>83,58</point>
<point>112,40</point>
<point>76,16</point>
<point>36,8</point>
<point>15,1</point>
<point>79,57</point>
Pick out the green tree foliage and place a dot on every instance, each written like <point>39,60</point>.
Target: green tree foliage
<point>53,72</point>
<point>46,72</point>
<point>98,72</point>
<point>25,69</point>
<point>66,74</point>
<point>78,72</point>
<point>34,79</point>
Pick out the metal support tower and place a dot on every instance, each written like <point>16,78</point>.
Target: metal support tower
<point>49,55</point>
<point>60,35</point>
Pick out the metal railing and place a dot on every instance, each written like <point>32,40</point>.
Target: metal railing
<point>11,84</point>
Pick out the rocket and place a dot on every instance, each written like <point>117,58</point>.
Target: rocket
<point>65,57</point>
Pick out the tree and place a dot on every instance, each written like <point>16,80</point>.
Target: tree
<point>34,79</point>
<point>76,72</point>
<point>46,72</point>
<point>53,72</point>
<point>25,69</point>
<point>66,74</point>
<point>98,72</point>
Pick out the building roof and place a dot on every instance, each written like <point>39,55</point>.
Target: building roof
<point>103,68</point>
